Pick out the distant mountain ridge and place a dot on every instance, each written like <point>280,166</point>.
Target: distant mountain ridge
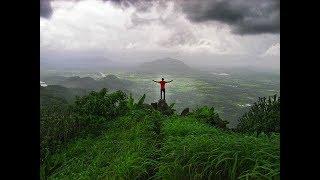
<point>110,82</point>
<point>59,94</point>
<point>165,65</point>
<point>62,89</point>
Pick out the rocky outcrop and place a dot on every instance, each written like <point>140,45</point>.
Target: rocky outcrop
<point>185,112</point>
<point>154,105</point>
<point>222,124</point>
<point>147,106</point>
<point>163,107</point>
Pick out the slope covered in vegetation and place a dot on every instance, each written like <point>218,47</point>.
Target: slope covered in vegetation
<point>109,136</point>
<point>112,82</point>
<point>56,94</point>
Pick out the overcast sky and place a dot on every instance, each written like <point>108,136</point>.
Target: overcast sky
<point>130,31</point>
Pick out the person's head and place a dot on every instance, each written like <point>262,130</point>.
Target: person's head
<point>162,79</point>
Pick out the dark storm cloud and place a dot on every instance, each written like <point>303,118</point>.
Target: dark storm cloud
<point>245,16</point>
<point>142,5</point>
<point>45,8</point>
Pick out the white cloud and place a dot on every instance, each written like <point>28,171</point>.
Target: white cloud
<point>273,50</point>
<point>100,26</point>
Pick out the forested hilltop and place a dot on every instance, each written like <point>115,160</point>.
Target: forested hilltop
<point>109,135</point>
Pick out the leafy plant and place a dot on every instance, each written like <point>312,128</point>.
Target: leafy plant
<point>141,100</point>
<point>171,105</point>
<point>209,116</point>
<point>101,104</point>
<point>88,115</point>
<point>263,116</point>
<point>130,103</point>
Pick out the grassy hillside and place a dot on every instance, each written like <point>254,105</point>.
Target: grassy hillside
<point>134,141</point>
<point>111,82</point>
<point>58,94</point>
<point>193,150</point>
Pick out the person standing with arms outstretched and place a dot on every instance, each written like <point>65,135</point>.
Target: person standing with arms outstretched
<point>162,87</point>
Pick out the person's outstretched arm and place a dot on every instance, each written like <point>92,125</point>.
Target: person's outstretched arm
<point>155,81</point>
<point>169,81</point>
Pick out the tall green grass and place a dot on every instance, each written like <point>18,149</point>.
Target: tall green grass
<point>188,149</point>
<point>126,150</point>
<point>142,143</point>
<point>197,151</point>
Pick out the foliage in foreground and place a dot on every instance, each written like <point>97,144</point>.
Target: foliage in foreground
<point>187,149</point>
<point>209,116</point>
<point>88,115</point>
<point>263,116</point>
<point>108,136</point>
<point>126,150</point>
<point>193,150</point>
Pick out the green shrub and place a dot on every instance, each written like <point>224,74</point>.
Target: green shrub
<point>101,104</point>
<point>209,116</point>
<point>88,115</point>
<point>263,116</point>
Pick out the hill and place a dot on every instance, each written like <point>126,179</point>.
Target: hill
<point>110,136</point>
<point>55,94</point>
<point>115,83</point>
<point>165,66</point>
<point>53,80</point>
<point>111,82</point>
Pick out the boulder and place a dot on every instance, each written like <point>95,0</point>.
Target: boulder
<point>154,105</point>
<point>163,107</point>
<point>222,124</point>
<point>147,106</point>
<point>185,112</point>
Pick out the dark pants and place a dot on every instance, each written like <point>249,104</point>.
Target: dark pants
<point>164,93</point>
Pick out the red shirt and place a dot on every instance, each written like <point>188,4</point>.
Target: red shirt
<point>162,84</point>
